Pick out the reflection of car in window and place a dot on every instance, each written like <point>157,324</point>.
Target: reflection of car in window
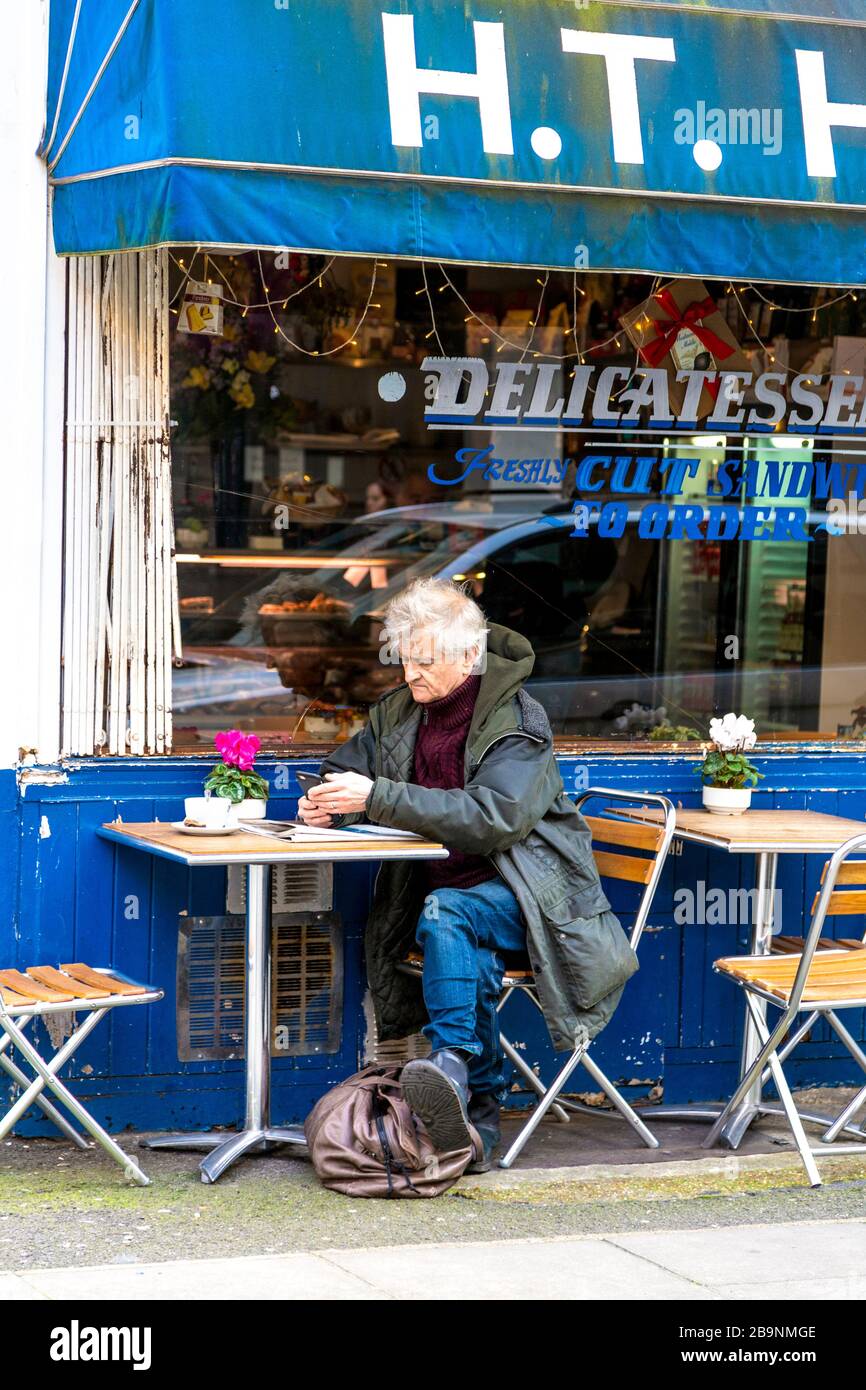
<point>315,617</point>
<point>307,626</point>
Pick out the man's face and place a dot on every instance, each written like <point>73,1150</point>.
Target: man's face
<point>432,672</point>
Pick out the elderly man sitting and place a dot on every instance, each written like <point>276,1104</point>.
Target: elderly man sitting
<point>460,753</point>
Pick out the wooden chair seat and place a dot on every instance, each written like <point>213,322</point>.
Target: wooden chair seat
<point>76,984</point>
<point>793,945</point>
<point>413,964</point>
<point>835,975</point>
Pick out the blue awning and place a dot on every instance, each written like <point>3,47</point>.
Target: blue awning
<point>724,139</point>
<point>779,9</point>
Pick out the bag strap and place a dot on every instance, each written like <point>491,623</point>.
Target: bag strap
<point>391,1163</point>
<point>375,1076</point>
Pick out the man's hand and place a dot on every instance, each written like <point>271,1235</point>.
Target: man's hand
<point>312,815</point>
<point>340,793</point>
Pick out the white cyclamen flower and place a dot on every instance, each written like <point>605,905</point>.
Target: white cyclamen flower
<point>734,733</point>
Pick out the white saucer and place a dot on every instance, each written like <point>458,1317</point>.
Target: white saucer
<point>204,829</point>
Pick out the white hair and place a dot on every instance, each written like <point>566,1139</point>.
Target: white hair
<point>439,611</point>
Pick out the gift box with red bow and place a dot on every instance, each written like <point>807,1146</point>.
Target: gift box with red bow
<point>680,328</point>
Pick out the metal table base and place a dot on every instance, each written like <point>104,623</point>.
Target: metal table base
<point>766,864</point>
<point>226,1146</point>
<point>258,1135</point>
<point>739,1124</point>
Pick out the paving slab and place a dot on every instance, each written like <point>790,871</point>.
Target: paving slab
<point>14,1288</point>
<point>279,1277</point>
<point>549,1269</point>
<point>542,1269</point>
<point>783,1263</point>
<point>825,1290</point>
<point>803,1253</point>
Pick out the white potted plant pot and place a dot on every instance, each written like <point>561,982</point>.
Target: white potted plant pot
<point>726,761</point>
<point>251,808</point>
<point>727,801</point>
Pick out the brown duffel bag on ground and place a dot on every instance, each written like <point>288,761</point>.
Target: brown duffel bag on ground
<point>364,1141</point>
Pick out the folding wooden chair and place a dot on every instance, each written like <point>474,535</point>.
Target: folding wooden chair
<point>44,990</point>
<point>644,867</point>
<point>824,977</point>
<point>850,873</point>
<point>650,844</point>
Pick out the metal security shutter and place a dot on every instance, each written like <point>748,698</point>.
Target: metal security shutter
<point>210,988</point>
<point>306,986</point>
<point>121,623</point>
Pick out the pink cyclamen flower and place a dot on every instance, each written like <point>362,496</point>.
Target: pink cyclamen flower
<point>246,752</point>
<point>228,745</point>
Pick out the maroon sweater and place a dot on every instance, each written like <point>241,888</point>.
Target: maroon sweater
<point>439,754</point>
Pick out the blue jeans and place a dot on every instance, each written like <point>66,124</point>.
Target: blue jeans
<point>461,931</point>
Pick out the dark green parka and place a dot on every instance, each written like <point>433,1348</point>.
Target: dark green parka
<point>513,809</point>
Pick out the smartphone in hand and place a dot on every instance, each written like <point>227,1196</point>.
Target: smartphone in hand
<point>308,780</point>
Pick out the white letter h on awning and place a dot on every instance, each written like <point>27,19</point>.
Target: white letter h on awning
<point>488,84</point>
<point>820,115</point>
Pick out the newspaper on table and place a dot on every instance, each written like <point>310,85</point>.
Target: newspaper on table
<point>317,834</point>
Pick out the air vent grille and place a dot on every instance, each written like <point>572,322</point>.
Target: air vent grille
<point>294,888</point>
<point>306,986</point>
<point>396,1049</point>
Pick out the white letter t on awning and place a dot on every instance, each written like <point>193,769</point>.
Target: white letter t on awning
<point>619,52</point>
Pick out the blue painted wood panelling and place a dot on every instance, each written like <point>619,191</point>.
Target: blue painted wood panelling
<point>65,894</point>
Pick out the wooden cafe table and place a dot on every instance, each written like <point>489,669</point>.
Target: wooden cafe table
<point>256,853</point>
<point>765,835</point>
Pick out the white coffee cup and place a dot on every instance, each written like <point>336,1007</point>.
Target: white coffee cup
<point>212,811</point>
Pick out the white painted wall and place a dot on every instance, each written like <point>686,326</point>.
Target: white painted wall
<point>30,399</point>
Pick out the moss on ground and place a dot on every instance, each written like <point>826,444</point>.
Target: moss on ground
<point>648,1187</point>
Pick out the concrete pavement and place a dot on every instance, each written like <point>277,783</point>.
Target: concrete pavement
<point>779,1262</point>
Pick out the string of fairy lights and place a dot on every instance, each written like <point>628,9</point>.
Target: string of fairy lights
<point>491,332</point>
<point>281,302</point>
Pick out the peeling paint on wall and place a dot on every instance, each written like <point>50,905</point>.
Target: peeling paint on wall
<point>41,777</point>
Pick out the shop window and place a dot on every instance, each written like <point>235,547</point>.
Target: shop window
<point>308,490</point>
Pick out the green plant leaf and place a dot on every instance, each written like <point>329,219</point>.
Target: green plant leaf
<point>728,769</point>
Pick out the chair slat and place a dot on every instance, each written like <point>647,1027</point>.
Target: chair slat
<point>844,970</point>
<point>11,999</point>
<point>834,992</point>
<point>620,832</point>
<point>793,945</point>
<point>835,989</point>
<point>850,871</point>
<point>829,963</point>
<point>32,990</point>
<point>844,904</point>
<point>87,976</point>
<point>626,866</point>
<point>55,979</point>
